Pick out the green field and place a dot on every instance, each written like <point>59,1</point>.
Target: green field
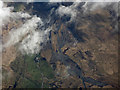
<point>31,74</point>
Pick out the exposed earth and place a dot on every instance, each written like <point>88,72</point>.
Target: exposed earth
<point>79,54</point>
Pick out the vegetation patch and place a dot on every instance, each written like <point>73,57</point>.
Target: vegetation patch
<point>32,74</point>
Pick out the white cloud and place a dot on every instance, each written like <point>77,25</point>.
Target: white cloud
<point>90,5</point>
<point>18,15</point>
<point>17,34</point>
<point>31,44</point>
<point>68,10</point>
<point>62,10</point>
<point>28,36</point>
<point>5,13</point>
<point>59,0</point>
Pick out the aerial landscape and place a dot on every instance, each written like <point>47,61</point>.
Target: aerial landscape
<point>59,44</point>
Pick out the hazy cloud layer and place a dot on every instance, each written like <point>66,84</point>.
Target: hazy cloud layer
<point>84,0</point>
<point>91,6</point>
<point>87,7</point>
